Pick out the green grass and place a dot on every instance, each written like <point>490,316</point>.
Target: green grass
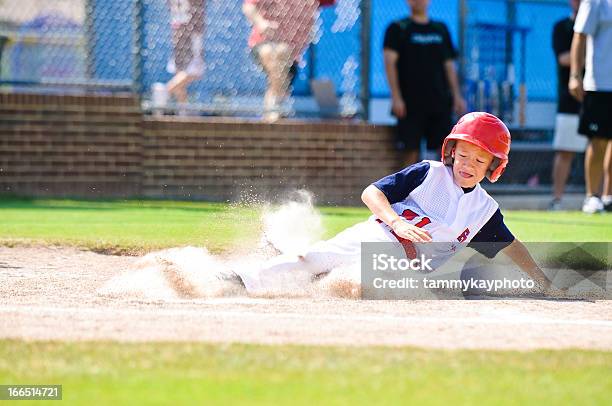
<point>544,226</point>
<point>126,226</point>
<point>187,373</point>
<point>190,373</point>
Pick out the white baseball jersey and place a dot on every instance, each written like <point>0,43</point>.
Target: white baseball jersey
<point>442,208</point>
<point>425,195</point>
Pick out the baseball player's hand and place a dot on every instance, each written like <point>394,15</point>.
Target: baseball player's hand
<point>576,89</point>
<point>459,105</point>
<point>408,231</point>
<point>549,290</point>
<point>555,292</point>
<point>398,107</point>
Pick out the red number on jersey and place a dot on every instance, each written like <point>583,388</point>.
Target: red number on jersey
<point>464,235</point>
<point>410,215</point>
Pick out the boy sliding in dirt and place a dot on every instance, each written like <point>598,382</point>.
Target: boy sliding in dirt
<point>428,201</point>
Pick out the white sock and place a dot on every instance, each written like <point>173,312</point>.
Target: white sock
<point>606,199</point>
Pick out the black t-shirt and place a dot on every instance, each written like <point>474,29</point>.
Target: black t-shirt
<point>422,50</point>
<point>562,42</point>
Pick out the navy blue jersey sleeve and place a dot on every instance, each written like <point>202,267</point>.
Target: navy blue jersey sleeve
<point>397,187</point>
<point>493,237</point>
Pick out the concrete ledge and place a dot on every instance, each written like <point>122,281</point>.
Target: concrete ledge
<point>571,201</point>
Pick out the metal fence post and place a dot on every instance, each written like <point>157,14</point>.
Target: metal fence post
<point>510,20</point>
<point>366,15</point>
<point>89,41</point>
<point>462,40</point>
<point>137,47</point>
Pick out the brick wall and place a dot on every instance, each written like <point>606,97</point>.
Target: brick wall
<point>219,159</point>
<point>102,146</point>
<point>81,146</point>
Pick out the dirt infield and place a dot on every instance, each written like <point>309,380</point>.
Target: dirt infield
<point>53,293</point>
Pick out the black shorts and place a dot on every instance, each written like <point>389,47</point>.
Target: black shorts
<point>433,126</point>
<point>596,115</point>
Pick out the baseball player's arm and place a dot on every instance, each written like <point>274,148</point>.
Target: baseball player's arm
<point>453,81</point>
<point>519,254</point>
<point>577,65</point>
<point>379,205</point>
<point>397,101</point>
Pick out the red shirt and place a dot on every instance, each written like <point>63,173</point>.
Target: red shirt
<point>295,19</point>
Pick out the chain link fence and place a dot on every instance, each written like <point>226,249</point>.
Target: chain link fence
<point>252,49</point>
<point>236,57</point>
<point>58,45</point>
<point>507,52</point>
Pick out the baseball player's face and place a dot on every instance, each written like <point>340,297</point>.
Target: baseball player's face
<point>470,164</point>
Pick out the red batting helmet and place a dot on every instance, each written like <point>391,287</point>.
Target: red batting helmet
<point>485,131</point>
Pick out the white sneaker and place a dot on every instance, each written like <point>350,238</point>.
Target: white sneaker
<point>554,205</point>
<point>159,95</point>
<point>592,204</point>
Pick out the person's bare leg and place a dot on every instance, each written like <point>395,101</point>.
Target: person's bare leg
<point>410,157</point>
<point>274,59</point>
<point>177,86</point>
<point>283,62</point>
<point>593,165</point>
<point>561,169</point>
<point>265,53</point>
<point>607,178</point>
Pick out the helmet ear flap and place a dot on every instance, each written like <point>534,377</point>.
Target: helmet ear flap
<point>495,170</point>
<point>499,172</point>
<point>448,153</point>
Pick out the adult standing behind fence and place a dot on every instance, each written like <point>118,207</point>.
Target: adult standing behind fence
<point>593,32</point>
<point>282,29</point>
<point>187,61</point>
<point>567,141</point>
<point>419,62</point>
